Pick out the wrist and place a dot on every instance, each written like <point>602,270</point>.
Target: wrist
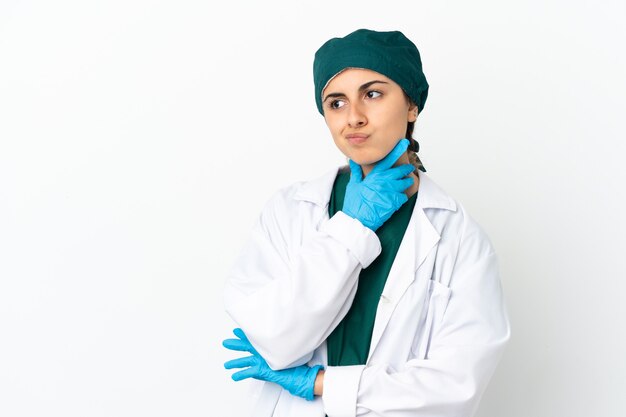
<point>319,383</point>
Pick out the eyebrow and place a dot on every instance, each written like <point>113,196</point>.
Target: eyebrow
<point>361,88</point>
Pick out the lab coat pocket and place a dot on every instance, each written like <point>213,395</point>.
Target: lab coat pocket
<point>438,297</point>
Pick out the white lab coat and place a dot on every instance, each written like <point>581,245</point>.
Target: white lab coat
<point>441,323</point>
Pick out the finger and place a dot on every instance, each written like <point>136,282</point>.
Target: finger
<point>401,198</point>
<point>246,373</point>
<point>356,172</point>
<point>240,334</point>
<point>391,158</point>
<point>240,362</point>
<point>236,344</point>
<point>397,173</point>
<point>401,184</point>
<point>387,191</point>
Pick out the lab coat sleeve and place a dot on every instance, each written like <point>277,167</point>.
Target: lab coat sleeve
<point>288,300</point>
<point>465,347</point>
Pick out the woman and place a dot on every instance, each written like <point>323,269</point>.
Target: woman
<point>368,291</point>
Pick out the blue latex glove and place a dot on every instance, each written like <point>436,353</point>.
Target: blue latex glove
<point>374,199</point>
<point>299,380</point>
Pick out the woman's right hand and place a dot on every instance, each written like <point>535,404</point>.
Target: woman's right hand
<point>374,199</point>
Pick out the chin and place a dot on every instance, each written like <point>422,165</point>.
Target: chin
<point>366,159</point>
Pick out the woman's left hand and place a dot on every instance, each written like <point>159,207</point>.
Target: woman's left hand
<point>299,380</point>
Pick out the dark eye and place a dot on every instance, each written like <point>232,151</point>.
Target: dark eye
<point>334,102</point>
<point>369,93</point>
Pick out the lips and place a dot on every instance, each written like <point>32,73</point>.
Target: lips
<point>356,138</point>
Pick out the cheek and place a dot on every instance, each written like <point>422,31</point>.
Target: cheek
<point>335,128</point>
<point>335,132</point>
<point>395,124</point>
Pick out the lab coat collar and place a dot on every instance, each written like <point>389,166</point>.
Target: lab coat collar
<point>430,195</point>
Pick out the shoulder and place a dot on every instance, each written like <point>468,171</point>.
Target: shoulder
<point>473,237</point>
<point>465,255</point>
<point>301,198</point>
<point>280,203</point>
<point>453,221</point>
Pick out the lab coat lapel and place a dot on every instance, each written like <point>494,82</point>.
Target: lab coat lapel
<point>419,239</point>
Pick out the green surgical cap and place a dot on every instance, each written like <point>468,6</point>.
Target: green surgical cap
<point>389,53</point>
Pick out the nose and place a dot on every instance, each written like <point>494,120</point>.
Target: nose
<point>356,116</point>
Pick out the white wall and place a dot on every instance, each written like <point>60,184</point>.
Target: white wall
<point>139,139</point>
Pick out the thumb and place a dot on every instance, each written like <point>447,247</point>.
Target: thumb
<point>356,172</point>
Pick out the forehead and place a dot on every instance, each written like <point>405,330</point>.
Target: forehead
<point>353,78</point>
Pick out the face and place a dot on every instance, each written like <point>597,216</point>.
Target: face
<point>367,114</point>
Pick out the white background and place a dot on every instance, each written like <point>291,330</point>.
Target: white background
<point>139,140</point>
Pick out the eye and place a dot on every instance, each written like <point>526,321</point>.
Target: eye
<point>334,102</point>
<point>370,92</point>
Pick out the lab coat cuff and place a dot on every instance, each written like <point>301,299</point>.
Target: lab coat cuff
<point>341,385</point>
<point>360,240</point>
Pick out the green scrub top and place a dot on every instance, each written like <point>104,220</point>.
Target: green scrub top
<point>349,343</point>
